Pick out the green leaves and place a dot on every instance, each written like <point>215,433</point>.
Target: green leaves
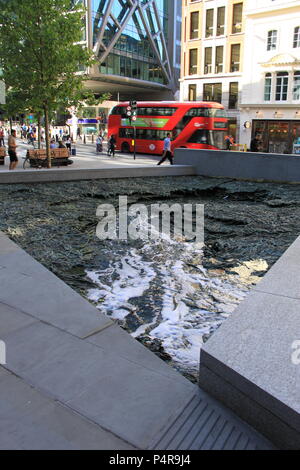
<point>41,52</point>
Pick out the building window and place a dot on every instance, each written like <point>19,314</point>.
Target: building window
<point>237,18</point>
<point>296,87</point>
<point>208,60</point>
<point>212,92</point>
<point>221,21</point>
<point>296,37</point>
<point>272,40</point>
<point>235,58</point>
<point>192,92</point>
<point>193,61</point>
<point>268,87</point>
<point>194,32</point>
<point>209,30</point>
<point>282,80</point>
<point>233,95</point>
<point>219,59</point>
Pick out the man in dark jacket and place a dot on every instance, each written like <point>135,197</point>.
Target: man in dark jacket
<point>256,144</point>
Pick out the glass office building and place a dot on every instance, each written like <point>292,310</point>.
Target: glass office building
<point>134,41</point>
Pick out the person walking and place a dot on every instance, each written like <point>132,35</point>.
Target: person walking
<point>111,146</point>
<point>167,154</point>
<point>12,150</point>
<point>2,144</point>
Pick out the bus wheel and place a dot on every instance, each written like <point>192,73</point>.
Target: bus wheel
<point>125,147</point>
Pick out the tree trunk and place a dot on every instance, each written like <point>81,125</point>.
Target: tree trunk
<point>39,130</point>
<point>10,124</point>
<point>46,113</point>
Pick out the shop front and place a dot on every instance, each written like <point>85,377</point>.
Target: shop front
<point>278,136</point>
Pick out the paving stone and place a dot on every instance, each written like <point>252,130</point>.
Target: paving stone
<point>111,391</point>
<point>12,320</point>
<point>52,301</point>
<point>29,420</point>
<point>129,348</point>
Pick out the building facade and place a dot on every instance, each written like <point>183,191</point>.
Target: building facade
<point>270,99</point>
<point>212,54</point>
<point>136,43</point>
<point>138,46</point>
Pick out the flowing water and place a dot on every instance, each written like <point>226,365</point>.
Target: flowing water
<point>170,295</point>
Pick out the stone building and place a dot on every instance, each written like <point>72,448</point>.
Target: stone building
<point>212,54</point>
<point>270,99</point>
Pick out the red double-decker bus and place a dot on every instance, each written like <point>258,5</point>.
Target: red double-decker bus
<point>195,125</point>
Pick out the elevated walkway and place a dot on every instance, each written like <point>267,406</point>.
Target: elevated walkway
<point>75,380</point>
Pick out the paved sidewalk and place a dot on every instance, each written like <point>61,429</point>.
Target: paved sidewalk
<point>88,165</point>
<point>75,380</point>
<point>88,158</point>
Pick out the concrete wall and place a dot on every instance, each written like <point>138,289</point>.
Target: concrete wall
<point>77,174</point>
<point>252,363</point>
<point>241,165</point>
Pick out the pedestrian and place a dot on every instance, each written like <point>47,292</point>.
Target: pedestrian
<point>99,144</point>
<point>229,140</point>
<point>2,144</point>
<point>167,154</point>
<point>112,146</point>
<point>69,143</point>
<point>256,143</point>
<point>24,131</point>
<point>12,150</point>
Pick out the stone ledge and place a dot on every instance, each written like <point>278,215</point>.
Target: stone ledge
<point>42,176</point>
<point>251,352</point>
<point>242,165</point>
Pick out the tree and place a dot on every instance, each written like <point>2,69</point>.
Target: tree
<point>42,55</point>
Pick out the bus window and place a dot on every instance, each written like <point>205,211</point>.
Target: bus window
<point>156,111</point>
<point>218,139</point>
<point>198,112</point>
<point>142,134</point>
<point>207,112</point>
<point>117,110</point>
<point>201,136</point>
<point>220,125</point>
<point>213,138</point>
<point>220,113</point>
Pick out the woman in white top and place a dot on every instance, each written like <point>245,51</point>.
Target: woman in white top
<point>99,144</point>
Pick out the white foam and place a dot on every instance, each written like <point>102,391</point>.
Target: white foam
<point>193,303</point>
